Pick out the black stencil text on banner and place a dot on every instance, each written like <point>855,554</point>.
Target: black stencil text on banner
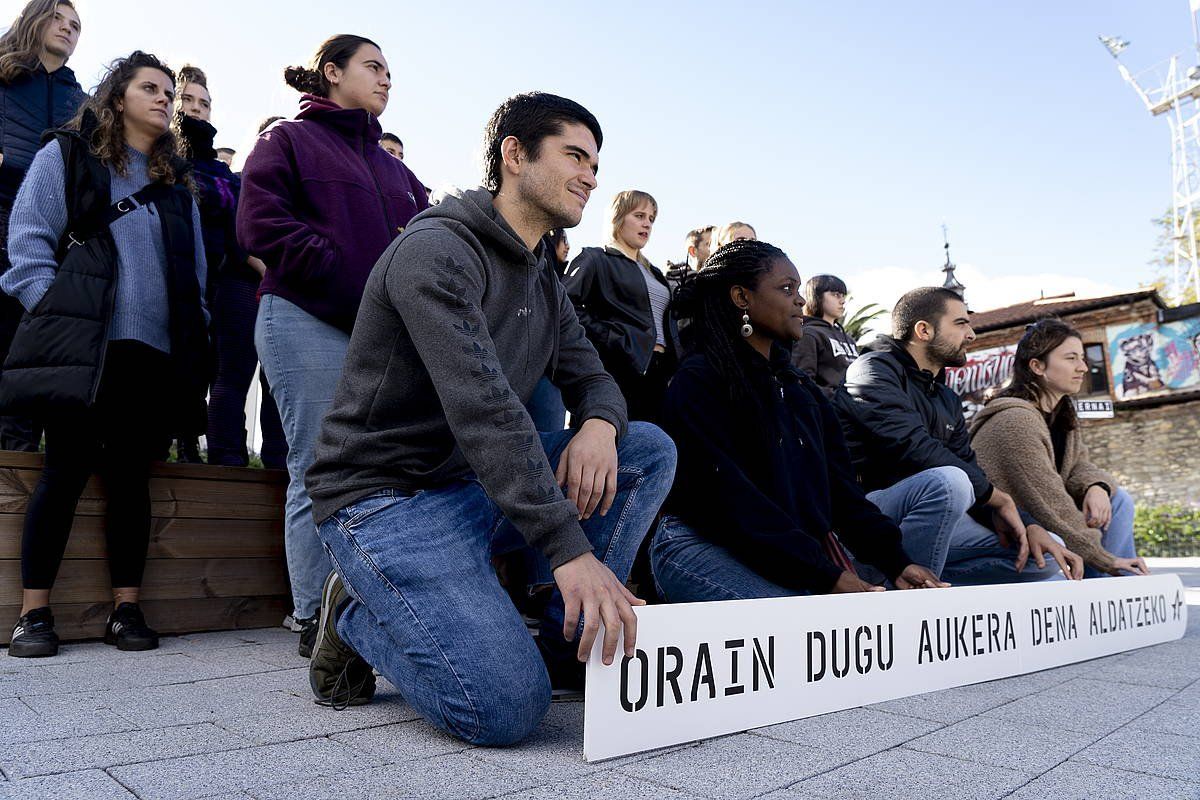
<point>707,669</point>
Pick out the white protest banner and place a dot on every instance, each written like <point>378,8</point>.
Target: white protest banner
<point>706,669</point>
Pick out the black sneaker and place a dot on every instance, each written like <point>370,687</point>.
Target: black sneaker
<point>33,636</point>
<point>308,635</point>
<point>127,629</point>
<point>339,677</point>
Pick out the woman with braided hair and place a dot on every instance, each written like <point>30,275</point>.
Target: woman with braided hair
<point>764,477</point>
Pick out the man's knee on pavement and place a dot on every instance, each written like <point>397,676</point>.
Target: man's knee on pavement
<point>507,711</point>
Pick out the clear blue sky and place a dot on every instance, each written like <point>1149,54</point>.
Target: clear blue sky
<point>846,132</point>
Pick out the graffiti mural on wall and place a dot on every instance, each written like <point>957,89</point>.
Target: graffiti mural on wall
<point>985,369</point>
<point>1151,359</point>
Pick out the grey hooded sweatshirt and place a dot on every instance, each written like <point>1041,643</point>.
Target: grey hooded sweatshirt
<point>459,320</point>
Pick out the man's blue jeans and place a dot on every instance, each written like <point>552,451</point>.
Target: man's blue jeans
<point>428,611</point>
<point>927,507</point>
<point>302,359</point>
<point>931,510</point>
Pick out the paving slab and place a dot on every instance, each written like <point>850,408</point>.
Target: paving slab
<point>901,772</point>
<point>1172,664</point>
<point>1003,743</point>
<point>855,733</point>
<point>1077,781</point>
<point>1179,714</point>
<point>90,785</point>
<point>1084,705</point>
<point>405,741</point>
<point>248,769</point>
<point>79,753</point>
<point>735,766</point>
<point>451,777</point>
<point>556,748</point>
<point>21,723</point>
<point>961,702</point>
<point>1133,750</point>
<point>296,716</point>
<point>611,786</point>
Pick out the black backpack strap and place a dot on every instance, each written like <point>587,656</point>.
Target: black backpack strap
<point>147,195</point>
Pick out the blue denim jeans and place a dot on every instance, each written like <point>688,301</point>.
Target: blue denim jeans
<point>931,510</point>
<point>691,569</point>
<point>546,407</point>
<point>1117,538</point>
<point>927,506</point>
<point>302,359</point>
<point>428,611</point>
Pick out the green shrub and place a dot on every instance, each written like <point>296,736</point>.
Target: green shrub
<point>1170,530</point>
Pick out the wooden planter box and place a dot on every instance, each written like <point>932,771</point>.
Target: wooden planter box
<point>216,558</point>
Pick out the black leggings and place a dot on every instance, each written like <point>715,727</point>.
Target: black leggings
<point>117,439</point>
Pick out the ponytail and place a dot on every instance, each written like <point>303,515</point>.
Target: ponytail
<point>336,50</point>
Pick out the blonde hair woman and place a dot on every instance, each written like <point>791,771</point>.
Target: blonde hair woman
<point>623,302</point>
<point>732,232</point>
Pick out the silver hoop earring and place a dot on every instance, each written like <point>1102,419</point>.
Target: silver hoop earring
<point>747,328</point>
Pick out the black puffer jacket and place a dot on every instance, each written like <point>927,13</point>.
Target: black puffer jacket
<point>56,359</point>
<point>613,305</point>
<point>32,104</point>
<point>900,420</point>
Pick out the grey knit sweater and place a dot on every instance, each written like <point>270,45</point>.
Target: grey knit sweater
<point>39,219</point>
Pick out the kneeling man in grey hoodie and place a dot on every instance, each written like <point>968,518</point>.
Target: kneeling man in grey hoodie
<point>428,463</point>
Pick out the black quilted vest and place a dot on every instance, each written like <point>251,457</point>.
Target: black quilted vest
<point>57,356</point>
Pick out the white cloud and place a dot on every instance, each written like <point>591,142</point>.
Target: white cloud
<point>985,289</point>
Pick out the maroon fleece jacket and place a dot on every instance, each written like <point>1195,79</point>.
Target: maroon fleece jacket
<point>320,203</point>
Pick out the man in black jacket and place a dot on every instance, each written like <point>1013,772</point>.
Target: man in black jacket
<point>905,428</point>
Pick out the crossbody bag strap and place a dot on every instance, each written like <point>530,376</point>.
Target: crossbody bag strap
<point>145,196</point>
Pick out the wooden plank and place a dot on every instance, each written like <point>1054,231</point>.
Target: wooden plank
<point>75,621</point>
<point>87,580</point>
<point>169,538</point>
<point>33,461</point>
<point>169,497</point>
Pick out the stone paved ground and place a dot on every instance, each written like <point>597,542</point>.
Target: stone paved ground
<point>229,715</point>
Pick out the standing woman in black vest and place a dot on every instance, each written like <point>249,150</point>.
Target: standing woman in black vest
<point>108,261</point>
<point>38,91</point>
<point>622,301</point>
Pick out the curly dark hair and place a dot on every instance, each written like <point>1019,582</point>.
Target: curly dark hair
<point>106,139</point>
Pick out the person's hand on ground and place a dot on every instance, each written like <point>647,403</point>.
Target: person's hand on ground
<point>1131,566</point>
<point>1008,525</point>
<point>590,588</point>
<point>849,582</point>
<point>1042,544</point>
<point>917,577</point>
<point>1097,507</point>
<point>588,468</point>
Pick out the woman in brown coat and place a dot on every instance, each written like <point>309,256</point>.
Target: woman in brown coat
<point>1028,441</point>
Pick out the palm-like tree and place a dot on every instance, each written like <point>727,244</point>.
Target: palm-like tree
<point>858,324</point>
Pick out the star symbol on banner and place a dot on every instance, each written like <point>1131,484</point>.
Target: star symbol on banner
<point>1177,606</point>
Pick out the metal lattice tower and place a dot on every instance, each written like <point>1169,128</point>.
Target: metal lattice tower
<point>1174,89</point>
